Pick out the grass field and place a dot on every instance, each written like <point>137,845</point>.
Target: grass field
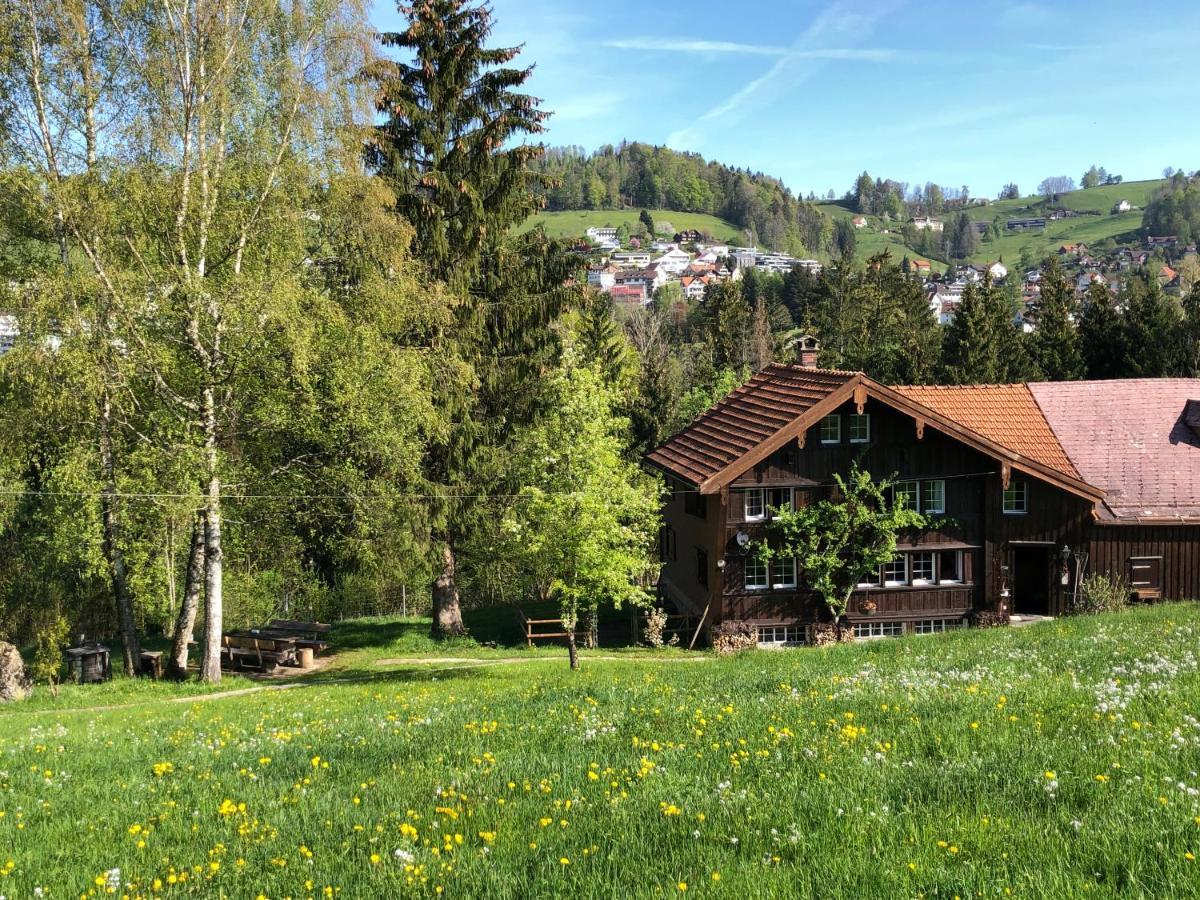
<point>1086,229</point>
<point>1058,760</point>
<point>573,223</point>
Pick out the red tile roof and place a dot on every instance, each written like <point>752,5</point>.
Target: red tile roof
<point>1131,438</point>
<point>1006,414</point>
<point>760,408</point>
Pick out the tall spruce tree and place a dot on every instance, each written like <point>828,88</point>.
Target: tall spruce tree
<point>1055,344</point>
<point>1151,324</point>
<point>1101,337</point>
<point>1189,355</point>
<point>450,147</point>
<point>969,349</point>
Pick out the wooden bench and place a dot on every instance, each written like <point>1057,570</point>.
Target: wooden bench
<point>263,654</point>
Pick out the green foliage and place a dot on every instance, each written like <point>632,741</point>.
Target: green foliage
<point>50,638</point>
<point>983,344</point>
<point>877,320</point>
<point>837,542</point>
<point>1101,337</point>
<point>1055,345</point>
<point>1175,209</point>
<point>582,527</point>
<point>639,175</point>
<point>1151,330</point>
<point>1101,593</point>
<point>706,395</point>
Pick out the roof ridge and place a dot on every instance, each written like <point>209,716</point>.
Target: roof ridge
<point>1053,432</point>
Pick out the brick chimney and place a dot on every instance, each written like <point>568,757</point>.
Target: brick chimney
<point>807,350</point>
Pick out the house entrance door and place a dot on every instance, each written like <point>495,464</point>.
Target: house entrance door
<point>1031,581</point>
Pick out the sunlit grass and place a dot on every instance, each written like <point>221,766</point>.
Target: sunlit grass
<point>1052,761</point>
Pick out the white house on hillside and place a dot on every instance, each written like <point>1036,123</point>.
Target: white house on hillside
<point>673,261</point>
<point>1121,206</point>
<point>923,222</point>
<point>602,279</point>
<point>604,233</point>
<point>631,259</point>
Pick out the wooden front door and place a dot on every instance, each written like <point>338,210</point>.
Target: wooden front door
<point>1031,581</point>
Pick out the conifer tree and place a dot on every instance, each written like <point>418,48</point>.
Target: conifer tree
<point>1055,344</point>
<point>601,342</point>
<point>969,353</point>
<point>451,148</point>
<point>1190,352</point>
<point>1151,329</point>
<point>1101,337</point>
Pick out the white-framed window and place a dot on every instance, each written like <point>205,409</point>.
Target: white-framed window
<point>831,429</point>
<point>860,428</point>
<point>871,580</point>
<point>1016,498</point>
<point>783,572</point>
<point>782,635</point>
<point>865,631</point>
<point>779,499</point>
<point>933,496</point>
<point>921,567</point>
<point>895,572</point>
<point>755,505</point>
<point>935,626</point>
<point>950,567</point>
<point>905,493</point>
<point>756,574</point>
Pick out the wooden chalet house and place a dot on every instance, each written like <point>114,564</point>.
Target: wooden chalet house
<point>1037,485</point>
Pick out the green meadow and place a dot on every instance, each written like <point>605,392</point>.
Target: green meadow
<point>1058,760</point>
<point>573,223</point>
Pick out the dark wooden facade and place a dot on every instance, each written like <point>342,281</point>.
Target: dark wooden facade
<point>1027,562</point>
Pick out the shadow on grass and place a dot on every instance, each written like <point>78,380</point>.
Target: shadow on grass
<point>408,674</point>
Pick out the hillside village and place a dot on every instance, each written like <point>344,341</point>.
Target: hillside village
<point>633,271</point>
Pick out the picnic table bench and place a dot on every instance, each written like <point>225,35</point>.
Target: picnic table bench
<point>243,650</point>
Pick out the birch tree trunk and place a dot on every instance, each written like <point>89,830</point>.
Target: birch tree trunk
<point>210,665</point>
<point>185,622</point>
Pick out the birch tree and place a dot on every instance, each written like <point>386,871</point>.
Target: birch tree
<point>176,148</point>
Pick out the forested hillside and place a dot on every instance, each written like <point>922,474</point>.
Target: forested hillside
<point>1175,209</point>
<point>641,176</point>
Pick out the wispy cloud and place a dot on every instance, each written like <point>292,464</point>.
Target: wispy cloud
<point>686,45</point>
<point>807,55</point>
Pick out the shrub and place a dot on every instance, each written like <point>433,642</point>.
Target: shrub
<point>1100,593</point>
<point>734,637</point>
<point>50,639</point>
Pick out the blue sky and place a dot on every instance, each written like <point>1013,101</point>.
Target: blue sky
<point>977,92</point>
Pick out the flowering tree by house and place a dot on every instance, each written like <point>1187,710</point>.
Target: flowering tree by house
<point>837,543</point>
